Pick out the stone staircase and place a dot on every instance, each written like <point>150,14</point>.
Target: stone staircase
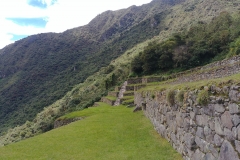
<point>125,93</point>
<point>120,94</point>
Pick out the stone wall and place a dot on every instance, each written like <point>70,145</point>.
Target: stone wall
<point>63,122</point>
<point>113,94</point>
<point>209,132</point>
<point>108,101</point>
<point>152,79</point>
<point>134,81</point>
<point>217,69</point>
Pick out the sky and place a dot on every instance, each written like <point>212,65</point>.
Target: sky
<point>21,18</point>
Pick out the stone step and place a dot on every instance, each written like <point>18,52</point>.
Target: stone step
<point>145,80</point>
<point>121,89</point>
<point>129,93</point>
<point>129,88</point>
<point>95,104</point>
<point>108,100</point>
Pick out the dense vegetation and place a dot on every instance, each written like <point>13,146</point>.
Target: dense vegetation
<point>105,133</point>
<point>81,96</point>
<point>202,44</point>
<point>40,69</point>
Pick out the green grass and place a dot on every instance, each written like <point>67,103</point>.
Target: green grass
<point>234,79</point>
<point>106,133</point>
<point>111,98</point>
<point>128,102</point>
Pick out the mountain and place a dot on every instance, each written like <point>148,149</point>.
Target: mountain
<point>40,69</point>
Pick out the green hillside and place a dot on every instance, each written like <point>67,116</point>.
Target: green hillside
<point>40,69</point>
<point>45,76</point>
<point>105,133</point>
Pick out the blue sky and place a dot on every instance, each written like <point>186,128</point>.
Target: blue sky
<point>21,18</point>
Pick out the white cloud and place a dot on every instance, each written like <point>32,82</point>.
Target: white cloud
<point>62,15</point>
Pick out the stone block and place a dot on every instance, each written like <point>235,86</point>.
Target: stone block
<point>234,108</point>
<point>225,89</point>
<point>234,95</point>
<point>226,120</point>
<point>209,110</point>
<point>189,140</point>
<point>218,140</point>
<point>234,132</point>
<point>218,127</point>
<point>238,132</point>
<point>211,124</point>
<point>237,145</point>
<point>210,138</point>
<point>173,138</point>
<point>207,131</point>
<point>227,152</point>
<point>198,155</point>
<point>228,134</point>
<point>214,151</point>
<point>200,132</point>
<point>192,115</point>
<point>209,156</point>
<point>236,120</point>
<point>179,121</point>
<point>219,108</point>
<point>161,129</point>
<point>186,124</point>
<point>201,120</point>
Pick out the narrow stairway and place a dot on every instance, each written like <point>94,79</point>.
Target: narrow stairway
<point>120,95</point>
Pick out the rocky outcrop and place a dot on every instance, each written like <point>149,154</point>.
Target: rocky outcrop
<point>210,131</point>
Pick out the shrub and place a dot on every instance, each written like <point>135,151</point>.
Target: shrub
<point>180,96</point>
<point>153,95</point>
<point>171,97</point>
<point>202,98</point>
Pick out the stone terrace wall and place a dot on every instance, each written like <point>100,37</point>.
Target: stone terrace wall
<point>208,132</point>
<point>218,69</point>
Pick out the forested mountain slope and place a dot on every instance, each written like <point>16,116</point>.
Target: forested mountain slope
<point>40,69</point>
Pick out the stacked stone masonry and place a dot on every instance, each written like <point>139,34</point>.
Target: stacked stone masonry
<point>210,132</point>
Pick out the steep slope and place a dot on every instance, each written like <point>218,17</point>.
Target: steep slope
<point>84,94</point>
<point>105,133</point>
<point>38,70</point>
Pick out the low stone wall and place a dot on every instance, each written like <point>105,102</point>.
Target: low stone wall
<point>60,123</point>
<point>108,101</point>
<point>134,81</point>
<point>137,87</point>
<point>211,73</point>
<point>210,132</point>
<point>113,94</point>
<point>217,69</point>
<point>152,79</point>
<point>129,88</point>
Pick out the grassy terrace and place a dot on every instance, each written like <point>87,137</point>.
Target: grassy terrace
<point>105,133</point>
<point>111,98</point>
<point>234,79</point>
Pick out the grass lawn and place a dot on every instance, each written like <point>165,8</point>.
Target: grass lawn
<point>107,133</point>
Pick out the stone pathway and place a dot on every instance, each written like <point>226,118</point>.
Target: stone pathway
<point>120,95</point>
